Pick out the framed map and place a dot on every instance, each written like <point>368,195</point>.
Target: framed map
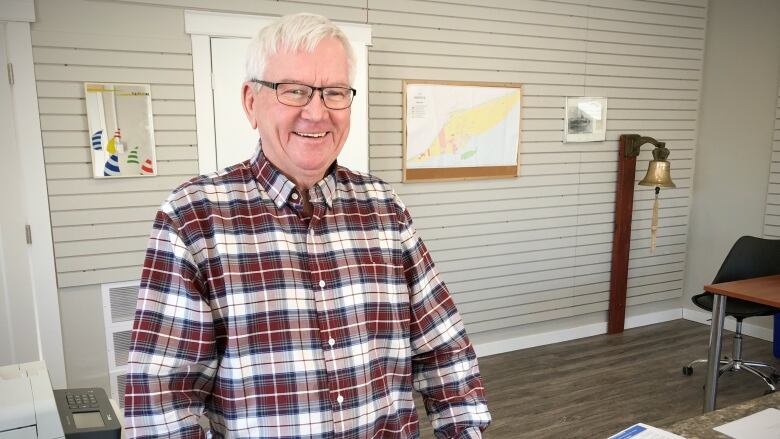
<point>460,130</point>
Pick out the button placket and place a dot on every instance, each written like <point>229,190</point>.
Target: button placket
<point>312,247</point>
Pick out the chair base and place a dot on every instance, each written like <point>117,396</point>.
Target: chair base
<point>771,379</point>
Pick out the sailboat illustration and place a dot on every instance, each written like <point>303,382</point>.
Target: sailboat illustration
<point>97,140</point>
<point>132,157</point>
<point>112,166</point>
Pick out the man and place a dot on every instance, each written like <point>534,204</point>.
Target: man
<point>287,296</point>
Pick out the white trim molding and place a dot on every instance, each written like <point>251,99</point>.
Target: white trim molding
<point>30,147</point>
<point>204,103</point>
<point>653,318</point>
<point>18,10</point>
<point>533,340</point>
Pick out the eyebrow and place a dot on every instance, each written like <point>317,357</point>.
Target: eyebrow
<point>294,81</point>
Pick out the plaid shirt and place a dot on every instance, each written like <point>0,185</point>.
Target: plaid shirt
<point>279,326</point>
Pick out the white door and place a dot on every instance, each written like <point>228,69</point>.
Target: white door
<point>18,329</point>
<point>235,138</point>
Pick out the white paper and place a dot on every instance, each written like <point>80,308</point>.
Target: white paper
<point>454,126</point>
<point>644,431</point>
<point>762,425</point>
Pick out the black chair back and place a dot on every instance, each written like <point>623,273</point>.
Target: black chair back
<point>750,257</point>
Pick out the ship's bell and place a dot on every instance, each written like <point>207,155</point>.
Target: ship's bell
<point>658,175</point>
<point>658,171</point>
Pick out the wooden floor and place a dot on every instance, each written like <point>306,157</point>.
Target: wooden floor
<point>596,386</point>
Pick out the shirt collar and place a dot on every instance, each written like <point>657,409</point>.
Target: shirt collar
<point>279,187</point>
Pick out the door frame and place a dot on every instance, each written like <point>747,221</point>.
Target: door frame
<point>29,145</point>
<point>202,26</point>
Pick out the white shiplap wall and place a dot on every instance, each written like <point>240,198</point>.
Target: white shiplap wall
<point>100,227</point>
<point>772,215</point>
<point>537,248</point>
<point>514,251</point>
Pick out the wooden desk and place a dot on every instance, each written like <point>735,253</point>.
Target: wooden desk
<point>763,290</point>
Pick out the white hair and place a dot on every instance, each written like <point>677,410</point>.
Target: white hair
<point>293,33</point>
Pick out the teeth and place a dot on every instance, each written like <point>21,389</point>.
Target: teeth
<point>310,134</point>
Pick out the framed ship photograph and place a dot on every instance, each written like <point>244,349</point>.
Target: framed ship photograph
<point>585,120</point>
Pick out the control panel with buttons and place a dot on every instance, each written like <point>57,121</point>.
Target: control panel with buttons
<point>87,414</point>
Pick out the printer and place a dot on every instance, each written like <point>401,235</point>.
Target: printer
<point>30,409</point>
<point>27,406</point>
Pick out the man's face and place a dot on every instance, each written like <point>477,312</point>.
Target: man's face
<point>301,141</point>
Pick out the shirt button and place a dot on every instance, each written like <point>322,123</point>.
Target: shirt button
<point>340,399</point>
<point>322,284</point>
<point>294,196</point>
<point>331,342</point>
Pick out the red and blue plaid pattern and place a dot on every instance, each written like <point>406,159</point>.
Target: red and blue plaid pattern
<point>281,326</point>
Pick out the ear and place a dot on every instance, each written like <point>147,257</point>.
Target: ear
<point>248,100</point>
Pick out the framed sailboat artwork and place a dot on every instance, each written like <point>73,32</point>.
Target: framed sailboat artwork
<point>121,130</point>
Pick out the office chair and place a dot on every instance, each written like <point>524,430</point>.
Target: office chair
<point>749,257</point>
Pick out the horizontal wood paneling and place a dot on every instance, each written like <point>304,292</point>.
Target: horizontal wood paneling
<point>525,250</point>
<point>112,74</point>
<point>514,251</point>
<point>339,10</point>
<point>99,246</point>
<point>473,12</point>
<point>772,214</point>
<point>90,57</point>
<point>100,226</point>
<point>65,171</point>
<point>448,35</point>
<point>80,39</point>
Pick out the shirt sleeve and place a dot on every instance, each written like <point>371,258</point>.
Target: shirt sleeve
<point>172,358</point>
<point>444,363</point>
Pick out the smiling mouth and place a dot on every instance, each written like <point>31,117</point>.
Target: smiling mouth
<point>312,135</point>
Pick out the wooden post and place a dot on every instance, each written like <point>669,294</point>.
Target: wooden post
<point>621,241</point>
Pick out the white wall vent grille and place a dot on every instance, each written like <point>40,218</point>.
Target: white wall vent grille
<point>119,301</point>
<point>118,387</point>
<point>123,301</point>
<point>121,346</point>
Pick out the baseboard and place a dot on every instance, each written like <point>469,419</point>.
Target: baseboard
<point>729,324</point>
<point>653,318</point>
<point>545,338</point>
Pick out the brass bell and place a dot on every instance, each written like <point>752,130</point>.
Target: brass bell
<point>658,170</point>
<point>658,175</point>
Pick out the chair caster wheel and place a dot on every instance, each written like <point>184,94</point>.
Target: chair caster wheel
<point>687,370</point>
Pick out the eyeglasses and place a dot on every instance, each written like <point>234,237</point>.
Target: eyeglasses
<point>299,95</point>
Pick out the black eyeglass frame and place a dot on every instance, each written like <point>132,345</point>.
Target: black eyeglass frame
<point>275,87</point>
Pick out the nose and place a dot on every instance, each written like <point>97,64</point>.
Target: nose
<point>315,109</point>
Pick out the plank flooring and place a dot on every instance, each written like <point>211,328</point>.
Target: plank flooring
<point>596,386</point>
